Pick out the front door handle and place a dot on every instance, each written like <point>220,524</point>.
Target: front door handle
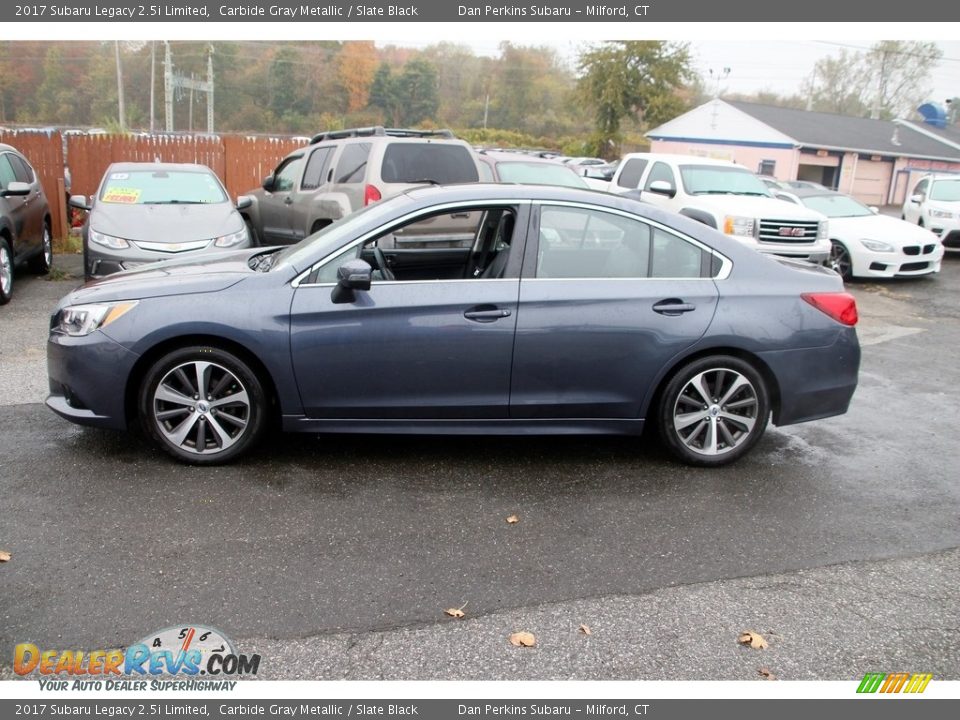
<point>288,200</point>
<point>673,307</point>
<point>486,313</point>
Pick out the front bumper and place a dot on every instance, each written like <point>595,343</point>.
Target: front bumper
<point>100,261</point>
<point>922,260</point>
<point>88,377</point>
<point>948,230</point>
<point>816,252</point>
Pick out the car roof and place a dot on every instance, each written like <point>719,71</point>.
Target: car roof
<point>181,167</point>
<point>684,159</point>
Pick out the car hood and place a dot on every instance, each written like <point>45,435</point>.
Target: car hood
<point>165,223</point>
<point>880,227</point>
<point>754,206</point>
<point>209,272</point>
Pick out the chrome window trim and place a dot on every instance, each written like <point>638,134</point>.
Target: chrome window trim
<point>298,281</point>
<point>726,265</point>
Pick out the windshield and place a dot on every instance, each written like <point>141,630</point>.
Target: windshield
<point>320,244</point>
<point>538,174</point>
<point>836,206</point>
<point>150,187</point>
<point>717,179</point>
<point>946,190</point>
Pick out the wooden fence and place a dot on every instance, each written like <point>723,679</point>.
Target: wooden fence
<point>240,161</point>
<point>45,153</point>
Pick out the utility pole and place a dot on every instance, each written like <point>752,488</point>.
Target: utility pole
<point>486,108</point>
<point>168,88</point>
<point>153,81</point>
<point>881,85</point>
<point>122,114</point>
<point>210,91</point>
<point>718,78</point>
<point>190,113</point>
<point>174,81</point>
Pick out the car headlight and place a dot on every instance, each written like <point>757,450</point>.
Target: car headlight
<point>231,239</point>
<point>108,240</point>
<point>739,225</point>
<point>940,213</point>
<point>80,320</point>
<point>876,245</point>
<point>823,228</point>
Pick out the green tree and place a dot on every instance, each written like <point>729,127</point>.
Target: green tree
<point>417,85</point>
<point>384,94</point>
<point>632,78</point>
<point>283,82</point>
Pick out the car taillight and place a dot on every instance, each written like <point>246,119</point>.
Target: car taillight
<point>370,195</point>
<point>841,306</point>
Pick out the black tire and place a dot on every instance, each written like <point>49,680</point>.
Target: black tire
<point>6,271</point>
<point>920,221</point>
<point>840,260</point>
<point>180,420</point>
<point>318,225</point>
<point>736,421</point>
<point>41,263</point>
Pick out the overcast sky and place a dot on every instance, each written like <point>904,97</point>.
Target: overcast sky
<point>780,66</point>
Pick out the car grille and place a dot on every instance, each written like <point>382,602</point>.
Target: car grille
<point>787,231</point>
<point>910,267</point>
<point>916,249</point>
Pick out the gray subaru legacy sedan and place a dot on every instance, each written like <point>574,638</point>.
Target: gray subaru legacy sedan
<point>570,312</point>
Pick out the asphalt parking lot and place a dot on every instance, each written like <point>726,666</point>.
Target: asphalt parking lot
<point>335,557</point>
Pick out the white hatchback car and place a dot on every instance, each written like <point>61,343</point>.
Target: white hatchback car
<point>867,244</point>
<point>935,204</point>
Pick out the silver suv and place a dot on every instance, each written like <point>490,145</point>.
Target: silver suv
<point>344,170</point>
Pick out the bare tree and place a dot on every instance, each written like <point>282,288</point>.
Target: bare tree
<point>901,71</point>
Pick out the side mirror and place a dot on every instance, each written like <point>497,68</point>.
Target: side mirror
<point>874,209</point>
<point>16,189</point>
<point>351,276</point>
<point>662,187</point>
<point>244,201</point>
<point>918,198</point>
<point>269,183</point>
<point>79,202</point>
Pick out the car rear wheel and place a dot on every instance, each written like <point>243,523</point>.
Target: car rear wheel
<point>840,260</point>
<point>203,405</point>
<point>713,411</point>
<point>6,272</point>
<point>41,262</point>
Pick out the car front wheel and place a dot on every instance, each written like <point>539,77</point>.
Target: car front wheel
<point>713,411</point>
<point>840,260</point>
<point>6,272</point>
<point>203,405</point>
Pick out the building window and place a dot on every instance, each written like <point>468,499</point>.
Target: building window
<point>767,167</point>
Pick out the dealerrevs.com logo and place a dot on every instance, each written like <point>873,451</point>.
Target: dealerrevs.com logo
<point>894,682</point>
<point>188,652</point>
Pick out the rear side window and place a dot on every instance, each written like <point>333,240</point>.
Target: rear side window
<point>316,171</point>
<point>352,167</point>
<point>428,162</point>
<point>631,173</point>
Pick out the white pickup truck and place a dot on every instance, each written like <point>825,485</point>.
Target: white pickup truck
<point>725,196</point>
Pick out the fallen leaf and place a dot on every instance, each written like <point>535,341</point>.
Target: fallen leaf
<point>4,556</point>
<point>523,639</point>
<point>766,674</point>
<point>753,639</point>
<point>456,612</point>
<point>585,629</point>
<point>513,519</point>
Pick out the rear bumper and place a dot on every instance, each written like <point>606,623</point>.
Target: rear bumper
<point>815,382</point>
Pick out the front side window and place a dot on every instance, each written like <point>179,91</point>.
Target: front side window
<point>661,172</point>
<point>7,175</point>
<point>921,188</point>
<point>21,169</point>
<point>285,178</point>
<point>583,243</point>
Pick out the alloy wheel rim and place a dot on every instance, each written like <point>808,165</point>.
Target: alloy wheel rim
<point>840,259</point>
<point>47,247</point>
<point>201,407</point>
<point>715,412</point>
<point>6,270</point>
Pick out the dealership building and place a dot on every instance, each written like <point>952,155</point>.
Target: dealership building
<point>876,161</point>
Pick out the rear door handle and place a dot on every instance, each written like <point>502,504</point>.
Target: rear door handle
<point>486,313</point>
<point>673,306</point>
